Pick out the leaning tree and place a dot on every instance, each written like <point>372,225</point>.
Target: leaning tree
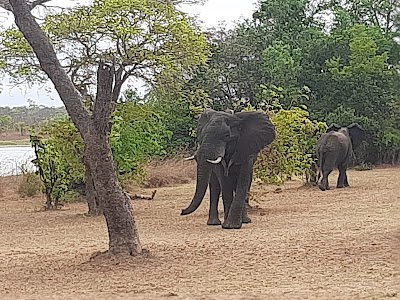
<point>88,53</point>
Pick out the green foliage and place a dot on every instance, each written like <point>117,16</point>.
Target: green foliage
<point>5,122</point>
<point>138,134</point>
<point>180,111</point>
<point>290,152</point>
<point>144,38</point>
<point>59,156</point>
<point>276,97</point>
<point>282,64</point>
<point>24,117</point>
<point>287,56</point>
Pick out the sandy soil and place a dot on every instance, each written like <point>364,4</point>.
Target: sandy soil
<point>13,136</point>
<point>302,244</point>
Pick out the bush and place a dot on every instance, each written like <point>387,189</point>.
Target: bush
<point>290,153</point>
<point>138,134</point>
<point>30,184</point>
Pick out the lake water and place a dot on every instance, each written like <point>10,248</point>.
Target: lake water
<point>12,158</point>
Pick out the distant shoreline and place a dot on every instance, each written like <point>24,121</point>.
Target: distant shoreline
<point>15,143</point>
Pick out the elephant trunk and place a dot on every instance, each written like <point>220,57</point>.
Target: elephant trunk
<point>203,178</point>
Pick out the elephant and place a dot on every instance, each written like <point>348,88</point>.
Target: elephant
<point>215,192</point>
<point>335,149</point>
<point>228,145</point>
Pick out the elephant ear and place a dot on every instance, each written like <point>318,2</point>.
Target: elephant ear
<point>357,134</point>
<point>203,120</point>
<point>333,127</point>
<point>256,132</point>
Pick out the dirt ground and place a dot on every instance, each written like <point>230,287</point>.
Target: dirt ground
<point>13,136</point>
<point>302,244</point>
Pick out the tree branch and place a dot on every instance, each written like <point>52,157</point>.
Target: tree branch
<point>49,63</point>
<point>118,82</point>
<point>35,3</point>
<point>5,4</point>
<point>103,105</point>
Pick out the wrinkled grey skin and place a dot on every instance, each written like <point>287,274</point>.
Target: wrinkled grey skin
<point>215,192</point>
<point>334,150</point>
<point>236,139</point>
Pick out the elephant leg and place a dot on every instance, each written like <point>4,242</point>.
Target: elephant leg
<point>346,181</point>
<point>318,176</point>
<point>327,166</point>
<point>235,214</point>
<point>227,198</point>
<point>226,184</point>
<point>342,177</point>
<point>215,191</point>
<point>245,217</point>
<point>324,184</point>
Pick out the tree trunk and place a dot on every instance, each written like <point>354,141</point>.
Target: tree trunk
<point>115,203</point>
<point>91,195</point>
<point>94,128</point>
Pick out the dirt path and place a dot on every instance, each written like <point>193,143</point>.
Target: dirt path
<point>302,244</point>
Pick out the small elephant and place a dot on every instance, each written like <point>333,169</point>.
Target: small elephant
<point>228,147</point>
<point>334,149</point>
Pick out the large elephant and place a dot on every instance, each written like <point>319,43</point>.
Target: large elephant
<point>228,145</point>
<point>335,149</point>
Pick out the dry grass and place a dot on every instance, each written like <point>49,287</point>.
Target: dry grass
<point>29,184</point>
<point>302,244</point>
<point>170,172</point>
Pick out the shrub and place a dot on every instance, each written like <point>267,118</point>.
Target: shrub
<point>30,185</point>
<point>138,134</point>
<point>290,153</point>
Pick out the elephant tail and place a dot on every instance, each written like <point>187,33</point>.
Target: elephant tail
<point>321,161</point>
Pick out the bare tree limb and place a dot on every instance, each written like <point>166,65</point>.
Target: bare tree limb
<point>103,105</point>
<point>119,81</point>
<point>35,3</point>
<point>5,4</point>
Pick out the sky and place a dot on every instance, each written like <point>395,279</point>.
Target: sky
<point>211,14</point>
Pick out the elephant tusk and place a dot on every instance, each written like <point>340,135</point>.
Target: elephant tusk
<point>217,161</point>
<point>189,158</point>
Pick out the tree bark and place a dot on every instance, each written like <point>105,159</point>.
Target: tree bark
<point>94,129</point>
<point>115,203</point>
<point>91,195</point>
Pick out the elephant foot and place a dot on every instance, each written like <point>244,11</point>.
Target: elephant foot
<point>342,186</point>
<point>231,225</point>
<point>246,220</point>
<point>323,188</point>
<point>213,222</point>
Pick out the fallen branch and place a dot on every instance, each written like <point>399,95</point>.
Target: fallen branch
<point>143,197</point>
